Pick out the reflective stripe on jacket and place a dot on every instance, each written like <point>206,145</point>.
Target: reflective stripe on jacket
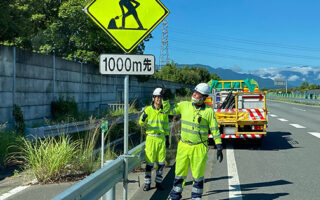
<point>195,122</point>
<point>157,122</point>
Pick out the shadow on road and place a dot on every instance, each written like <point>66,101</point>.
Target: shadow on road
<point>167,183</point>
<point>207,180</point>
<point>273,141</point>
<point>260,196</point>
<point>254,186</point>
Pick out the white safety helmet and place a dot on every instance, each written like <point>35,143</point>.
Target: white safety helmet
<point>203,88</point>
<point>157,92</point>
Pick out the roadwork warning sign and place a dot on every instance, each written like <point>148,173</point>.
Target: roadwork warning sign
<point>127,64</point>
<point>127,22</point>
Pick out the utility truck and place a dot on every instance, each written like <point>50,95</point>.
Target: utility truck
<point>240,109</point>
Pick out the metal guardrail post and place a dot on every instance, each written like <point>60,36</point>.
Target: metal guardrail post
<point>111,194</point>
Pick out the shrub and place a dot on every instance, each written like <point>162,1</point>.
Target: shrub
<point>18,117</point>
<point>62,108</point>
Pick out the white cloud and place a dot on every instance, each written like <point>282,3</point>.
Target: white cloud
<point>307,73</point>
<point>236,68</point>
<point>293,78</point>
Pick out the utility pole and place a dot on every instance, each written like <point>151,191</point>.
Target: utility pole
<point>164,51</point>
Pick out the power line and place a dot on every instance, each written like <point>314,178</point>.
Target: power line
<point>210,45</point>
<point>232,57</point>
<point>244,41</point>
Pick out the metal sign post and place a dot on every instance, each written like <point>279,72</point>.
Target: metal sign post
<point>125,145</point>
<point>104,129</point>
<point>281,82</point>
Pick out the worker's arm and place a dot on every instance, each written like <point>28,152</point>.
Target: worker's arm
<point>143,117</point>
<point>166,125</point>
<point>174,110</point>
<point>135,2</point>
<point>215,129</point>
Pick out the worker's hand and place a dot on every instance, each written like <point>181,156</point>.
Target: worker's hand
<point>219,153</point>
<point>167,141</point>
<point>144,117</point>
<point>165,94</point>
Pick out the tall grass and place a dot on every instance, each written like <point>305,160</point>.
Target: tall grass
<point>49,158</point>
<point>7,139</point>
<point>86,159</point>
<point>55,158</point>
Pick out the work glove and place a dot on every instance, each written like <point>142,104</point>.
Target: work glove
<point>219,153</point>
<point>144,116</point>
<point>165,94</point>
<point>167,141</point>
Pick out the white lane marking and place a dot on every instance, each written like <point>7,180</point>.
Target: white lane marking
<point>13,192</point>
<point>298,109</point>
<point>273,115</point>
<point>297,126</point>
<point>283,120</point>
<point>234,183</point>
<point>315,134</point>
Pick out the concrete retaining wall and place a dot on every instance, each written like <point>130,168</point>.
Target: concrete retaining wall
<point>33,81</point>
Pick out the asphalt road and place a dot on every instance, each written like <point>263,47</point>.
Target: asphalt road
<point>286,166</point>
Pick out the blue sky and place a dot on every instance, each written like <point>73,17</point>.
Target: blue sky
<point>244,35</point>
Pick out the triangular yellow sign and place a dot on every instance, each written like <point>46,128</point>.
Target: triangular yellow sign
<point>127,22</point>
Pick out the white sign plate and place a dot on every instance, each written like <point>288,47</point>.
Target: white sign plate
<point>127,64</point>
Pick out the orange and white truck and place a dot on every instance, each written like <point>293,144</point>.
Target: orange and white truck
<point>240,109</point>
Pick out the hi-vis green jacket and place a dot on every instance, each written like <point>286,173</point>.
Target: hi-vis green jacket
<point>157,122</point>
<point>195,122</point>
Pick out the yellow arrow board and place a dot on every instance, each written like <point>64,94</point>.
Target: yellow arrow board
<point>127,22</point>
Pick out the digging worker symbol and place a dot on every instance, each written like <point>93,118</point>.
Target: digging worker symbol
<point>131,10</point>
<point>157,139</point>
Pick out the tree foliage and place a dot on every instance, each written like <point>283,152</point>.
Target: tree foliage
<point>55,26</point>
<point>305,86</point>
<point>187,75</point>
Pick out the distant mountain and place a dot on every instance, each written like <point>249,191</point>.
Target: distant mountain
<point>228,74</point>
<point>294,75</point>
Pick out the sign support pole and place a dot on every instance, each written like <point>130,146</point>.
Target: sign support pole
<point>125,145</point>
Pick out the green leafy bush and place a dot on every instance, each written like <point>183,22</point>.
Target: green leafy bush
<point>64,108</point>
<point>18,117</point>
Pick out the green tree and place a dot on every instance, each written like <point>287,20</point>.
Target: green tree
<point>187,75</point>
<point>56,26</point>
<point>313,86</point>
<point>304,86</point>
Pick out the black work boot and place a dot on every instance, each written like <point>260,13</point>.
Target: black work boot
<point>146,187</point>
<point>159,186</point>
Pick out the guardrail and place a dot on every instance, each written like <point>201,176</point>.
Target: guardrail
<point>298,100</point>
<point>98,183</point>
<point>54,130</point>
